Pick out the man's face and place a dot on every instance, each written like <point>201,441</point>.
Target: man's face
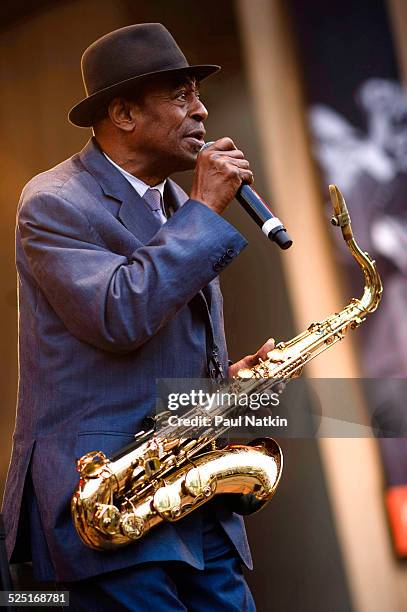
<point>169,129</point>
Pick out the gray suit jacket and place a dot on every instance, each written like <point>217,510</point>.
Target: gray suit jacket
<point>109,301</point>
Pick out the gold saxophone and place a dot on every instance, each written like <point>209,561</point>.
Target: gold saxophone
<point>164,475</point>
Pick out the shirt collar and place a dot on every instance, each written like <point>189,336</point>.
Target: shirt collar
<point>139,185</point>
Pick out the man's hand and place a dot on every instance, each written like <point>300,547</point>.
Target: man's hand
<point>251,360</point>
<point>219,172</point>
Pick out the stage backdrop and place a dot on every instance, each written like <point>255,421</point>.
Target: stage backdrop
<point>358,124</point>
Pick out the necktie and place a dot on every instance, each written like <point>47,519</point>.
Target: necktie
<point>153,198</point>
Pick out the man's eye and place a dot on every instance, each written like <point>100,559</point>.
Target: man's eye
<point>182,95</point>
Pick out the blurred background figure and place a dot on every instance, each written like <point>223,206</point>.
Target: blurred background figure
<point>359,131</point>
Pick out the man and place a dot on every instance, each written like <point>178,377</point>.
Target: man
<point>113,296</point>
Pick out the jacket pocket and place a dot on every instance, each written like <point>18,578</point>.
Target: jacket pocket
<point>108,442</point>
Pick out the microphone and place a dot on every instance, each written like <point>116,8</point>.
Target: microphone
<point>259,211</point>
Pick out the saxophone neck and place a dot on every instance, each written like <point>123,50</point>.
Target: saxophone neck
<point>373,285</point>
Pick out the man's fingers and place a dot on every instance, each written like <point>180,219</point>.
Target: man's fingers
<point>240,169</point>
<point>236,169</point>
<point>240,163</point>
<point>223,144</point>
<point>220,171</point>
<point>252,360</point>
<point>266,348</point>
<point>247,176</point>
<point>232,153</point>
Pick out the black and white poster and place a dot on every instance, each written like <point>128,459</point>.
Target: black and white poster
<point>357,119</point>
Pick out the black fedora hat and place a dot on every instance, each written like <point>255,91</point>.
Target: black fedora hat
<point>120,60</point>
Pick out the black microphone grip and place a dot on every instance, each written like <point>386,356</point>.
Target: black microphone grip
<point>270,225</point>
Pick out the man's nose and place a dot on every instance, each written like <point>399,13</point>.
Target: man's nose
<point>198,110</point>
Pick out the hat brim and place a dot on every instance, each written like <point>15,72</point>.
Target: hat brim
<point>82,114</point>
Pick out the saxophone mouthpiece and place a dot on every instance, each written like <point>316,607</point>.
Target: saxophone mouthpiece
<point>341,217</point>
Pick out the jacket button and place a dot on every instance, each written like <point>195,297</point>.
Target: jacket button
<point>217,266</point>
<point>230,252</point>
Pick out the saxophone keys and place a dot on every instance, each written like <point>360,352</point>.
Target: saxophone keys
<point>245,374</point>
<point>167,502</point>
<point>132,526</point>
<point>151,466</point>
<point>199,484</point>
<point>276,355</point>
<point>92,465</point>
<point>107,518</point>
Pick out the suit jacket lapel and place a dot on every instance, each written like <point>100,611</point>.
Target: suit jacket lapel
<point>174,196</point>
<point>134,212</point>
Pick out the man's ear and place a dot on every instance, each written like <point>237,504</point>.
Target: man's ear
<point>123,114</point>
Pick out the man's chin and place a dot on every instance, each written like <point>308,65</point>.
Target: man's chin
<point>187,162</point>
